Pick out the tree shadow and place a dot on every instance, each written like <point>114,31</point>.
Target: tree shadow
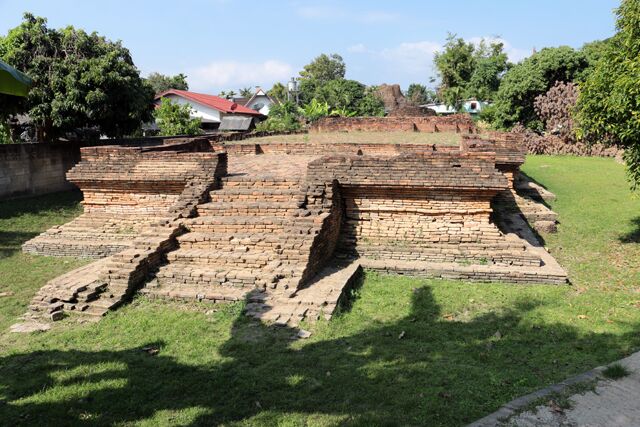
<point>11,241</point>
<point>423,369</point>
<point>40,204</point>
<point>632,236</point>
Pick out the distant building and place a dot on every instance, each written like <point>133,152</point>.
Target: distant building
<point>471,106</point>
<point>210,109</point>
<point>261,102</point>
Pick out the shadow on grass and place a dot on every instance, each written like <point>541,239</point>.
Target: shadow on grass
<point>633,236</point>
<point>441,372</point>
<point>41,204</point>
<point>11,241</point>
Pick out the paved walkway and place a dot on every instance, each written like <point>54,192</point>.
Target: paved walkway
<point>613,403</point>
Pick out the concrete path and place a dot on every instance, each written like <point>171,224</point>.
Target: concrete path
<point>613,403</point>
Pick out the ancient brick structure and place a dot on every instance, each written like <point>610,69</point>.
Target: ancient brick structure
<point>460,123</point>
<point>286,227</point>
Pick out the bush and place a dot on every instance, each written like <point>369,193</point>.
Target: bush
<point>175,119</point>
<point>282,117</point>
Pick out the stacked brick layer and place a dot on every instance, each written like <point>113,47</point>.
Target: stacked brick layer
<point>454,123</point>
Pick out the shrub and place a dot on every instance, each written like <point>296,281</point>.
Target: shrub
<point>175,119</point>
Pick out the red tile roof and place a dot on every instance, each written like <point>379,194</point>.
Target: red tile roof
<point>220,104</point>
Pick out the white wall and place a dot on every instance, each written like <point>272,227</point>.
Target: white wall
<point>260,99</point>
<point>204,113</point>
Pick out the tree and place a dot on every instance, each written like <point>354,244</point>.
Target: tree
<point>80,80</point>
<point>246,92</point>
<point>609,100</point>
<point>325,68</point>
<point>282,117</point>
<point>350,95</point>
<point>455,65</point>
<point>418,94</point>
<point>175,119</point>
<point>530,78</point>
<point>161,83</point>
<point>467,70</point>
<point>491,62</point>
<point>278,91</point>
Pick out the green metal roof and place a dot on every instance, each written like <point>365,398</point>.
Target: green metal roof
<point>12,81</point>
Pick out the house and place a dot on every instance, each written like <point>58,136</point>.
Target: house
<point>210,109</point>
<point>471,106</point>
<point>261,102</point>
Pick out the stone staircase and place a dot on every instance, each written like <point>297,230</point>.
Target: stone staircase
<point>254,236</point>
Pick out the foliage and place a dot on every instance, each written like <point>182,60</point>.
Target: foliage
<point>371,104</point>
<point>175,119</point>
<point>5,135</point>
<point>80,80</point>
<point>282,117</point>
<point>161,83</point>
<point>555,109</point>
<point>342,112</point>
<point>609,102</point>
<point>467,70</point>
<point>246,92</point>
<point>325,68</point>
<point>533,77</point>
<point>348,96</point>
<point>314,110</point>
<point>418,94</point>
<point>439,372</point>
<point>278,92</point>
<point>227,94</point>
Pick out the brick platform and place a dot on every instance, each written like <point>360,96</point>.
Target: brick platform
<point>289,233</point>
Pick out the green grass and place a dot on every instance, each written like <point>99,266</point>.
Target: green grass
<point>21,274</point>
<point>615,371</point>
<point>449,368</point>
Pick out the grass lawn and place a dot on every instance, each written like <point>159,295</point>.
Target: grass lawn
<point>407,352</point>
<point>444,138</point>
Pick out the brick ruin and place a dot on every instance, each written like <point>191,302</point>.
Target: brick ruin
<point>459,123</point>
<point>286,227</point>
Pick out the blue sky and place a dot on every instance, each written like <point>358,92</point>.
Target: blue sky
<point>228,44</point>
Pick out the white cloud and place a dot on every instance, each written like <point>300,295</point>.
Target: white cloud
<point>357,48</point>
<point>231,74</point>
<point>412,57</point>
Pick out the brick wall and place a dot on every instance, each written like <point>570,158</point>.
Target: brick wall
<point>428,206</point>
<point>461,123</point>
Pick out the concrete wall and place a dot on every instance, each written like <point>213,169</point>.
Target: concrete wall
<point>28,169</point>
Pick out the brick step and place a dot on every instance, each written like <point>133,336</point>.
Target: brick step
<point>262,182</point>
<point>222,240</point>
<point>508,256</point>
<point>261,224</point>
<point>242,257</point>
<point>247,208</point>
<point>217,294</point>
<point>231,194</point>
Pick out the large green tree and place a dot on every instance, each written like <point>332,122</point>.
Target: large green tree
<point>80,80</point>
<point>608,108</point>
<point>514,101</point>
<point>469,70</point>
<point>161,83</point>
